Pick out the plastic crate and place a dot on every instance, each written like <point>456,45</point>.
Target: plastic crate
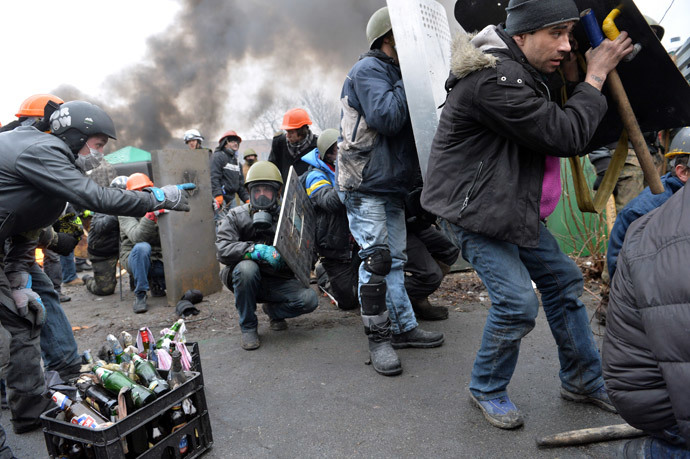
<point>108,443</point>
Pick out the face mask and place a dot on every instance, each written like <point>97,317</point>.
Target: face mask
<point>90,161</point>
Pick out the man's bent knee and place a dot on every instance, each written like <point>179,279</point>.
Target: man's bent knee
<point>373,293</point>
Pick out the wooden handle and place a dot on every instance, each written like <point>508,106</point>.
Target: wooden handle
<point>634,133</point>
<point>592,435</point>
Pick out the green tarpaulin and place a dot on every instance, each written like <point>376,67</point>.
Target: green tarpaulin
<point>128,155</point>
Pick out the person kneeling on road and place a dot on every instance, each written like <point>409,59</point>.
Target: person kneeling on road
<point>254,270</point>
<point>104,248</point>
<point>140,249</point>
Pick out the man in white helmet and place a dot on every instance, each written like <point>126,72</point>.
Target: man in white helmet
<point>193,139</point>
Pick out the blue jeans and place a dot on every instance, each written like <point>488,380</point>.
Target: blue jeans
<point>287,298</point>
<point>69,268</point>
<point>506,271</point>
<point>58,346</point>
<point>378,222</point>
<point>140,266</point>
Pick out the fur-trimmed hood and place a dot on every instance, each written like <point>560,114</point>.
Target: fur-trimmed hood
<point>471,52</point>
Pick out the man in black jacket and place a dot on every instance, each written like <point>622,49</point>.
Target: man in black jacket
<point>646,356</point>
<point>254,270</point>
<point>287,149</point>
<point>494,163</point>
<point>39,172</point>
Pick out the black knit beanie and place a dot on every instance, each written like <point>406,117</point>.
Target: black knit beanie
<point>530,15</point>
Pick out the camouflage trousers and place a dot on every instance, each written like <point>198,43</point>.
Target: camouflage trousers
<point>630,183</point>
<point>103,281</point>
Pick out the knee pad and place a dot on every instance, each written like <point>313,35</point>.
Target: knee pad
<point>373,293</point>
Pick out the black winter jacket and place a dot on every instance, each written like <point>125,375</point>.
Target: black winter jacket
<point>281,157</point>
<point>486,165</point>
<point>236,236</point>
<point>646,350</point>
<point>226,175</point>
<point>38,176</point>
<point>104,236</point>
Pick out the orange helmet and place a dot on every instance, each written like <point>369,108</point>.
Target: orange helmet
<point>138,181</point>
<point>295,118</point>
<point>230,133</point>
<point>35,105</point>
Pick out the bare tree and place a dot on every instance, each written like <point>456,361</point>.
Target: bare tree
<point>324,111</point>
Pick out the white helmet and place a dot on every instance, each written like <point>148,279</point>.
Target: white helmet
<point>192,134</point>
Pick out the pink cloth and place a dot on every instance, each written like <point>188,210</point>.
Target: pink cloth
<point>551,186</point>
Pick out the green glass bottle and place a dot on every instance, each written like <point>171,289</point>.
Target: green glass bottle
<point>149,375</point>
<point>164,342</point>
<point>115,380</point>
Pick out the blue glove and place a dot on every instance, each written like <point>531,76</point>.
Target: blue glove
<point>266,253</point>
<point>24,298</point>
<point>171,197</point>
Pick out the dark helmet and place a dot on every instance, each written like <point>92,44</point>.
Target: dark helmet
<point>78,120</point>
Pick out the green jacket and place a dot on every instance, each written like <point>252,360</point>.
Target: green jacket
<point>134,230</point>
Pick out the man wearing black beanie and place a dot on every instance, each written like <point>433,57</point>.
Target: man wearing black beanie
<point>496,160</point>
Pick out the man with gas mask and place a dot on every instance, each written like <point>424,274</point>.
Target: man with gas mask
<point>254,270</point>
<point>39,172</point>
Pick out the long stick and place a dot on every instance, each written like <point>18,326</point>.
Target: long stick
<point>591,435</point>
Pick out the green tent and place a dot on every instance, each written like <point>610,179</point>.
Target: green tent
<point>128,155</point>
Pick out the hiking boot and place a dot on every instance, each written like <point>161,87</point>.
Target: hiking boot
<point>250,340</point>
<point>424,310</point>
<point>276,324</point>
<point>500,412</point>
<point>384,358</point>
<point>64,298</point>
<point>75,281</point>
<point>417,338</point>
<point>598,398</point>
<point>140,305</point>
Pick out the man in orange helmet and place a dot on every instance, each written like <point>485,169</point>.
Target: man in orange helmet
<point>298,140</point>
<point>140,248</point>
<point>35,111</point>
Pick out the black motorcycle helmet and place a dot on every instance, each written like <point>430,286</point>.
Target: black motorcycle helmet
<point>74,122</point>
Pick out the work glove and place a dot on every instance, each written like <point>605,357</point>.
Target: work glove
<point>171,197</point>
<point>24,298</point>
<point>153,216</point>
<point>266,253</point>
<point>69,224</point>
<point>63,243</point>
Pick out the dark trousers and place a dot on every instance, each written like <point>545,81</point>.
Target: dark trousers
<point>52,268</point>
<point>344,279</point>
<point>422,273</point>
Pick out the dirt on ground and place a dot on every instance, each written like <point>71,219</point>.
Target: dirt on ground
<point>93,317</point>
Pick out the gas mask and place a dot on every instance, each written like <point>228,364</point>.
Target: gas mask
<point>90,161</point>
<point>263,199</point>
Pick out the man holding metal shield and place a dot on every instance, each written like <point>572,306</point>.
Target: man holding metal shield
<point>377,158</point>
<point>495,163</point>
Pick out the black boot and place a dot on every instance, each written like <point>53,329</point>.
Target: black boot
<point>424,310</point>
<point>383,357</point>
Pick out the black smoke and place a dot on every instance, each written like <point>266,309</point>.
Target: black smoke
<point>188,70</point>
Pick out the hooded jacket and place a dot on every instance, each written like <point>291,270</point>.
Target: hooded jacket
<point>377,152</point>
<point>644,203</point>
<point>645,355</point>
<point>332,230</point>
<point>226,175</point>
<point>498,124</point>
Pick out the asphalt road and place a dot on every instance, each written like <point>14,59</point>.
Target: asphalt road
<point>307,392</point>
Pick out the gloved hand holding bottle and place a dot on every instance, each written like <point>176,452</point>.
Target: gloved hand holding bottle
<point>171,197</point>
<point>24,298</point>
<point>266,253</point>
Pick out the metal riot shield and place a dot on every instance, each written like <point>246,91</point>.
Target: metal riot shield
<point>296,229</point>
<point>658,92</point>
<point>187,238</point>
<point>422,37</point>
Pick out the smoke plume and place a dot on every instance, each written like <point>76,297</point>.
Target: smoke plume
<point>186,77</point>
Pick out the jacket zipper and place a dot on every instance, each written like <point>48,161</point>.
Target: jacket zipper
<point>474,182</point>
